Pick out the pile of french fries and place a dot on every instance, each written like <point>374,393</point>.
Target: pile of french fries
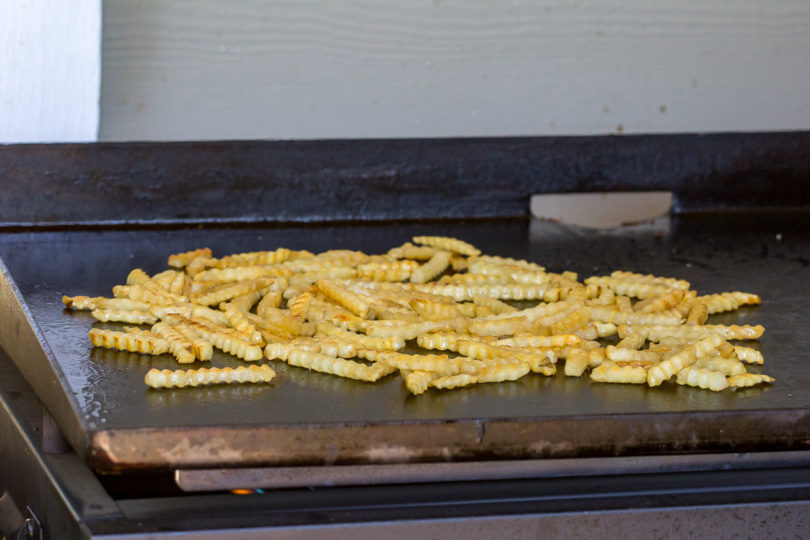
<point>352,315</point>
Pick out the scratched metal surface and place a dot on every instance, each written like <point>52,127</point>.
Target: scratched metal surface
<point>766,253</point>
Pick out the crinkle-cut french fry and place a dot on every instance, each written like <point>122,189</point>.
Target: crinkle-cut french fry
<point>748,355</point>
<point>434,311</point>
<point>204,312</point>
<point>502,372</point>
<point>338,366</point>
<point>179,345</point>
<point>672,283</point>
<point>299,304</point>
<point>243,302</point>
<point>202,349</point>
<point>692,333</point>
<point>596,356</point>
<point>204,376</point>
<point>224,339</point>
<point>123,341</point>
<point>487,352</point>
<point>571,322</point>
<point>410,330</point>
<point>698,313</point>
<point>367,342</point>
<point>748,379</point>
<point>473,279</point>
<point>240,323</point>
<point>399,270</point>
<point>727,301</point>
<point>181,260</point>
<point>198,264</point>
<point>417,382</point>
<point>334,347</point>
<point>446,243</point>
<point>240,273</point>
<point>137,276</point>
<point>434,267</point>
<point>102,302</point>
<point>410,251</point>
<point>278,350</point>
<point>507,291</point>
<point>255,258</point>
<point>493,304</point>
<point>609,315</point>
<point>123,315</point>
<point>425,362</point>
<point>523,264</point>
<point>603,295</point>
<point>529,340</point>
<point>500,327</point>
<point>707,379</point>
<point>661,302</point>
<point>143,293</point>
<point>589,332</point>
<point>576,362</point>
<point>624,304</point>
<point>633,341</point>
<point>665,369</point>
<point>619,354</point>
<point>226,291</point>
<point>322,310</point>
<point>275,327</point>
<point>459,263</point>
<point>611,372</point>
<point>358,304</point>
<point>726,366</point>
<point>166,278</point>
<point>440,341</point>
<point>326,262</point>
<point>453,381</point>
<point>178,284</point>
<point>628,287</point>
<point>271,300</point>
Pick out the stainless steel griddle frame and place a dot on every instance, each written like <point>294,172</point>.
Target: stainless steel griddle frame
<point>50,489</point>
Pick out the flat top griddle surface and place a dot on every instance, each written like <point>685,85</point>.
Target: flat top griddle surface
<point>762,253</point>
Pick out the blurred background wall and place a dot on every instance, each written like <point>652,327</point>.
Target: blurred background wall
<point>208,69</point>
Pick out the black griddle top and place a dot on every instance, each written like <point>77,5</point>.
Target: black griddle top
<point>307,417</point>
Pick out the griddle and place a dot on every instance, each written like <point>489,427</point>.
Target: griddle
<point>308,418</point>
<point>88,451</point>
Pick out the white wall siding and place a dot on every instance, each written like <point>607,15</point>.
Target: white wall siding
<point>208,69</point>
<point>49,70</point>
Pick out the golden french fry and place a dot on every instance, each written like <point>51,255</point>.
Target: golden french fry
<point>205,376</point>
<point>394,343</point>
<point>123,341</point>
<point>338,366</point>
<point>181,260</point>
<point>620,354</point>
<point>180,346</point>
<point>748,379</point>
<point>417,382</point>
<point>727,301</point>
<point>726,366</point>
<point>576,362</point>
<point>434,267</point>
<point>450,244</point>
<point>702,378</point>
<point>748,355</point>
<point>453,381</point>
<point>612,372</point>
<point>123,315</point>
<point>682,360</point>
